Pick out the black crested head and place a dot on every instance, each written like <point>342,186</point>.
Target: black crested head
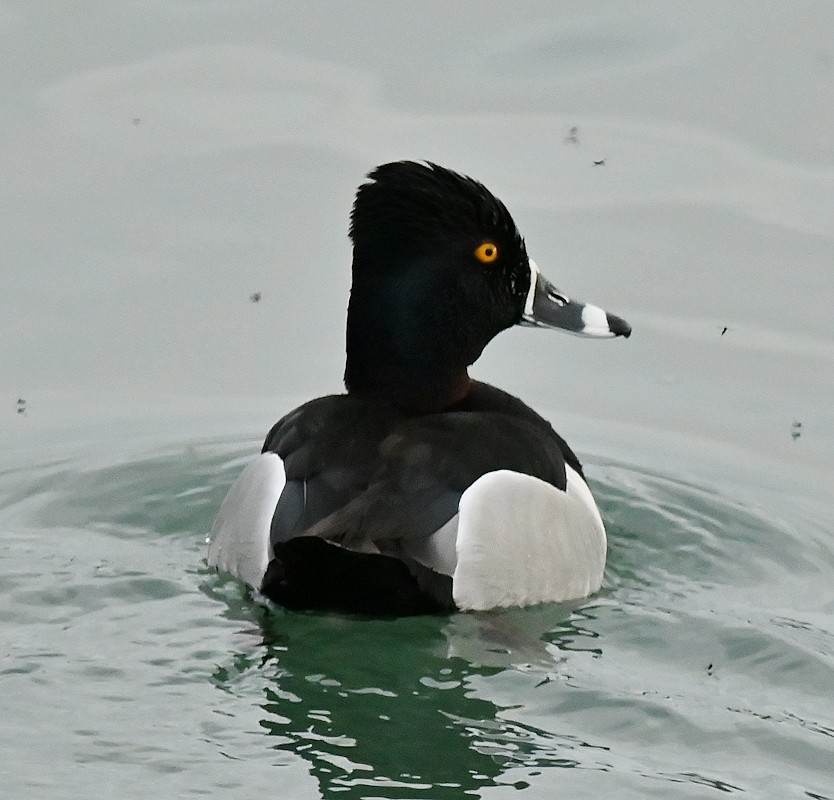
<point>408,206</point>
<point>439,268</point>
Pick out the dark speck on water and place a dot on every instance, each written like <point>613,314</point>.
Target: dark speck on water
<point>20,405</point>
<point>600,163</point>
<point>255,297</point>
<point>573,136</point>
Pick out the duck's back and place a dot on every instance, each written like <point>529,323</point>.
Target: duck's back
<point>366,519</point>
<point>359,472</point>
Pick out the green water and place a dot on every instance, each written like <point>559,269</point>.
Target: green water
<point>704,666</point>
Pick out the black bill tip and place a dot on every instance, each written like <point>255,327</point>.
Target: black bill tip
<point>618,326</point>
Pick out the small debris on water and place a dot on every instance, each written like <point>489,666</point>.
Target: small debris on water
<point>709,668</point>
<point>255,297</point>
<point>796,430</point>
<point>136,120</point>
<point>573,136</point>
<point>600,163</point>
<point>20,406</point>
<point>724,330</point>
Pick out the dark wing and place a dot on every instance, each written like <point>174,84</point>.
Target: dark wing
<point>425,465</point>
<point>366,477</point>
<point>329,448</point>
<point>484,397</point>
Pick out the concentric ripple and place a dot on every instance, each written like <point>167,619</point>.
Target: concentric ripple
<point>714,620</point>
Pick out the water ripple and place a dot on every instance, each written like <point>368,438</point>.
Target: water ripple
<point>703,633</point>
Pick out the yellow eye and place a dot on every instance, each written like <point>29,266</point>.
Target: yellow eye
<point>487,253</point>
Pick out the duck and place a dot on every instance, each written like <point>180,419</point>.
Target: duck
<point>419,489</point>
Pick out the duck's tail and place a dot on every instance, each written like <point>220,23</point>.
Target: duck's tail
<point>309,573</point>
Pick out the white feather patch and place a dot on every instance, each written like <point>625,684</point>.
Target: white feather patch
<point>438,551</point>
<point>522,541</point>
<point>239,540</point>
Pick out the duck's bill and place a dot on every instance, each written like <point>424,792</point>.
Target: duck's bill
<point>547,307</point>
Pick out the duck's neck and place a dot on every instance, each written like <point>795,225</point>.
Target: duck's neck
<point>394,384</point>
<point>404,355</point>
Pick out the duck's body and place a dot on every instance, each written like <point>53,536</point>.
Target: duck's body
<point>421,489</point>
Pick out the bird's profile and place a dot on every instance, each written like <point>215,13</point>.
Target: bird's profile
<point>420,489</point>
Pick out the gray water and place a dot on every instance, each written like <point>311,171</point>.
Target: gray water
<point>164,162</point>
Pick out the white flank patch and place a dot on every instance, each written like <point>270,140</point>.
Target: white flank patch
<point>522,541</point>
<point>595,321</point>
<point>239,541</point>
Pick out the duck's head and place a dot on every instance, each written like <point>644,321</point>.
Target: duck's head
<point>440,268</point>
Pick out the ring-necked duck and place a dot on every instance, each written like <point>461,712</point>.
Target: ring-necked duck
<point>421,489</point>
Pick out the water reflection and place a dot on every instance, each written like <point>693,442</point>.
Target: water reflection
<point>392,704</point>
